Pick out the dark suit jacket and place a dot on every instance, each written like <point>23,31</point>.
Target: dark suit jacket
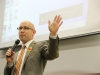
<point>35,60</point>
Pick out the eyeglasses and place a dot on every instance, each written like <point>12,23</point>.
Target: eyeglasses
<point>24,28</point>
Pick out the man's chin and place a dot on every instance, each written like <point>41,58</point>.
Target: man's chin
<point>23,40</point>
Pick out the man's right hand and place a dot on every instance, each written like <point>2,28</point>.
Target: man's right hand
<point>9,56</point>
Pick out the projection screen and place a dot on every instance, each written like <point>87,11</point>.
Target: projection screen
<point>79,17</point>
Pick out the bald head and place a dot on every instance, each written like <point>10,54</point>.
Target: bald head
<point>28,23</point>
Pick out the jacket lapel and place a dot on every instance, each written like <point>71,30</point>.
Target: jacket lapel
<point>29,51</point>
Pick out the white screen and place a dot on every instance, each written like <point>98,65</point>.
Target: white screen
<point>79,17</point>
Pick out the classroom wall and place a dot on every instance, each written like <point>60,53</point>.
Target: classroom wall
<point>80,54</point>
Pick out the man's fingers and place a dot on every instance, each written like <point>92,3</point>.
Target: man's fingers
<point>55,18</point>
<point>60,24</point>
<point>9,52</point>
<point>12,52</point>
<point>59,19</point>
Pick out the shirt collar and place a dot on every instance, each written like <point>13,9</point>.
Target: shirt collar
<point>28,43</point>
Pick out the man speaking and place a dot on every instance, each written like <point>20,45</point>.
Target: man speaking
<point>31,59</point>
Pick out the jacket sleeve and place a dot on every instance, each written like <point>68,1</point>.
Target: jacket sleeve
<point>50,50</point>
<point>8,70</point>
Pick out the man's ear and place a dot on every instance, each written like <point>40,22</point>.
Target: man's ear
<point>34,32</point>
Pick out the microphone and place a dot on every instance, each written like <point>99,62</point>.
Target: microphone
<point>16,43</point>
<point>14,46</point>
